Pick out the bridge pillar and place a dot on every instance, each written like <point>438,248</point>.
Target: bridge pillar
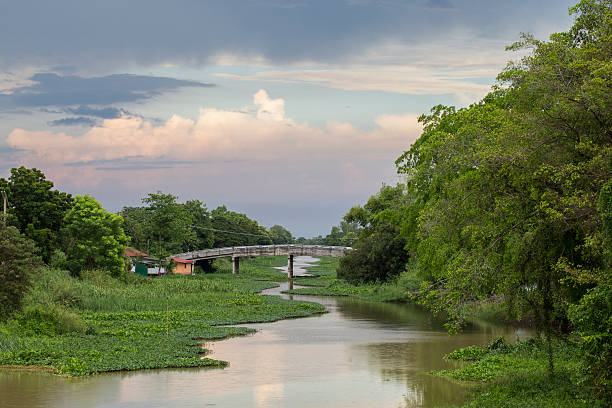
<point>235,265</point>
<point>290,267</point>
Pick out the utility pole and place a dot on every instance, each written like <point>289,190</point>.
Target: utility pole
<point>4,212</point>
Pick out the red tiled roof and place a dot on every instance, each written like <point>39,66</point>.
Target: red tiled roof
<point>179,260</point>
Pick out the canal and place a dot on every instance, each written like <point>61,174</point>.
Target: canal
<point>359,354</point>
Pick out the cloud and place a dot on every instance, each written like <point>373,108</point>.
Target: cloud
<point>456,66</point>
<point>256,158</point>
<point>50,89</point>
<point>87,115</point>
<point>104,113</point>
<point>217,135</point>
<point>78,121</point>
<point>402,79</point>
<point>153,32</point>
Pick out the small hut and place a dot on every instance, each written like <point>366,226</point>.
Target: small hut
<point>183,266</point>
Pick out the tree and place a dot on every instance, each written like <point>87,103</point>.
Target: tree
<point>379,251</point>
<point>136,227</point>
<point>93,237</point>
<point>18,260</point>
<point>235,229</point>
<point>503,195</point>
<point>169,222</point>
<point>280,235</point>
<point>377,256</point>
<point>203,236</point>
<point>34,208</point>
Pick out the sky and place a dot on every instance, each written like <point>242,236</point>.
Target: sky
<point>290,111</point>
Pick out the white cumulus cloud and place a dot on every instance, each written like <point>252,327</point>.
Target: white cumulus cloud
<point>217,135</point>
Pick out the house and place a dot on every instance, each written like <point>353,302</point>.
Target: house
<point>142,264</point>
<point>183,266</point>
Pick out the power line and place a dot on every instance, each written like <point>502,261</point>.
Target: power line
<point>230,232</point>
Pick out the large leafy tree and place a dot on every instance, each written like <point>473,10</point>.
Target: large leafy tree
<point>35,208</point>
<point>18,260</point>
<point>235,229</point>
<point>504,194</point>
<point>168,223</point>
<point>379,253</point>
<point>280,235</point>
<point>93,238</point>
<point>203,236</point>
<point>136,226</point>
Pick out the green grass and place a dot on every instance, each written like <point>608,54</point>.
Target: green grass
<point>85,326</point>
<point>512,376</point>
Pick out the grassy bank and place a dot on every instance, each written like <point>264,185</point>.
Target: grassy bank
<point>96,324</point>
<point>324,282</point>
<point>513,376</point>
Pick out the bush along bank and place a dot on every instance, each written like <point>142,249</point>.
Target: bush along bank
<point>516,375</point>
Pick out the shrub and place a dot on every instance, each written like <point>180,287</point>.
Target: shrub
<point>49,320</point>
<point>592,318</point>
<point>17,262</point>
<point>58,259</point>
<point>377,256</point>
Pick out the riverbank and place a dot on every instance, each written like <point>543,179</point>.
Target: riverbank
<point>500,374</point>
<point>323,282</point>
<point>516,375</point>
<point>79,327</point>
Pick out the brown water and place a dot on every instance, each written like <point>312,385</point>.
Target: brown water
<point>359,354</point>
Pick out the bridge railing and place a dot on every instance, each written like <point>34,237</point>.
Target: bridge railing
<point>266,250</point>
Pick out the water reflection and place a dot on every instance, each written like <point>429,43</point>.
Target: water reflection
<point>359,355</point>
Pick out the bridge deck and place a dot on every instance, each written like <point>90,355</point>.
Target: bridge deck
<point>265,250</point>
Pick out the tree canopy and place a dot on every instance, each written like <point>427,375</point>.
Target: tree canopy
<point>93,238</point>
<point>18,261</point>
<point>35,208</point>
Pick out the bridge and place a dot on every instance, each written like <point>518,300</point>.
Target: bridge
<point>265,250</point>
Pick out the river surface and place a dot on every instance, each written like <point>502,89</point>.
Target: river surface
<point>360,354</point>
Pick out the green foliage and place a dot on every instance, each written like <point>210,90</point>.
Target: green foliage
<point>280,235</point>
<point>379,253</point>
<point>592,318</point>
<point>235,229</point>
<point>34,208</point>
<point>503,196</point>
<point>605,208</point>
<point>168,223</point>
<point>469,353</point>
<point>18,262</point>
<point>515,376</point>
<point>202,227</point>
<point>377,257</point>
<point>48,320</point>
<point>93,238</point>
<point>58,259</point>
<point>167,227</point>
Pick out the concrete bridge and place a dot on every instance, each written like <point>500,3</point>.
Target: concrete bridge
<point>265,250</point>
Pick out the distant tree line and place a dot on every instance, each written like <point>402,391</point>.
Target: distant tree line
<point>47,226</point>
<point>163,226</point>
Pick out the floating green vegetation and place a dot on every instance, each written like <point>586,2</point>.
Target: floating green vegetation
<point>97,323</point>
